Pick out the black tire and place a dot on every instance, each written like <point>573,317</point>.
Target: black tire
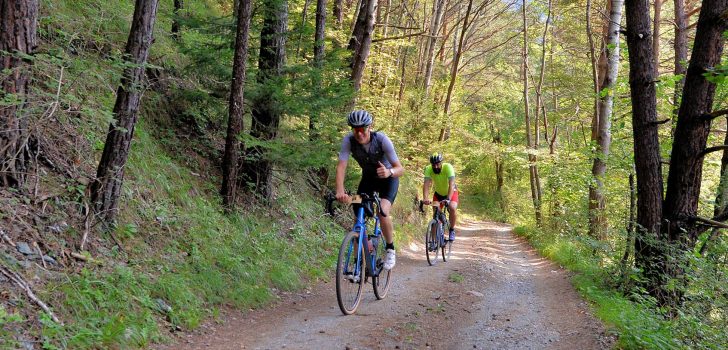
<point>447,251</point>
<point>431,240</point>
<point>447,248</point>
<point>348,288</point>
<point>381,281</point>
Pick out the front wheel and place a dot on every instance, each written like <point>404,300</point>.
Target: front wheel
<point>447,250</point>
<point>431,242</point>
<point>381,278</point>
<point>349,274</point>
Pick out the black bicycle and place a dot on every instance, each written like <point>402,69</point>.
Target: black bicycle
<point>361,255</point>
<point>435,233</point>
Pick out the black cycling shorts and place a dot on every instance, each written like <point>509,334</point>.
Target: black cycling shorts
<point>387,188</point>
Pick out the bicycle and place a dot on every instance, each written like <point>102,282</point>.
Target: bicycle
<point>435,233</point>
<point>355,265</point>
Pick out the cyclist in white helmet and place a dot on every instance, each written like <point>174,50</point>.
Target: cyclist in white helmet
<point>375,154</point>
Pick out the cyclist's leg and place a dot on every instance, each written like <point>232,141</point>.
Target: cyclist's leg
<point>453,211</point>
<point>387,193</point>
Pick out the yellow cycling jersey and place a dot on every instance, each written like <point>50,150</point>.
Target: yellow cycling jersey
<point>441,180</point>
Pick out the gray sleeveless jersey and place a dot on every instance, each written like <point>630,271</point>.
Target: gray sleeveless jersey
<point>379,149</point>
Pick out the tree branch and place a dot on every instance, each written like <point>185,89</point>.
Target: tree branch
<point>715,114</point>
<point>399,37</point>
<point>712,149</point>
<point>659,122</point>
<point>26,288</point>
<point>709,222</point>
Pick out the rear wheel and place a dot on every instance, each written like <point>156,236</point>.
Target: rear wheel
<point>349,274</point>
<point>380,282</point>
<point>431,242</point>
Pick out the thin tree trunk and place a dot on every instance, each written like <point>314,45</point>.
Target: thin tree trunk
<point>594,72</point>
<point>359,18</point>
<point>542,72</point>
<point>437,11</point>
<point>382,64</point>
<point>266,108</point>
<point>178,4</point>
<point>319,36</point>
<point>597,202</point>
<point>18,26</point>
<point>656,36</point>
<point>445,132</point>
<point>631,222</point>
<point>106,188</point>
<point>318,61</point>
<point>235,108</point>
<point>366,28</point>
<point>533,170</point>
<point>338,4</point>
<point>681,52</point>
<point>304,15</point>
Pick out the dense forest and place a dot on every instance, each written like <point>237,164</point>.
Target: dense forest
<point>160,160</point>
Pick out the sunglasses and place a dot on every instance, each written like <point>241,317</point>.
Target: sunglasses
<point>360,129</point>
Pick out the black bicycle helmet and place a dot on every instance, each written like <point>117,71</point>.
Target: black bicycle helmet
<point>359,118</point>
<point>435,158</point>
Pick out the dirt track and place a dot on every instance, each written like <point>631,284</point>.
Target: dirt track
<point>508,298</point>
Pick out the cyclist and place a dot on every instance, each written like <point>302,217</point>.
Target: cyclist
<point>375,154</point>
<point>443,175</point>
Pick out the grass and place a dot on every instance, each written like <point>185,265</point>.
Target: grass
<point>456,278</point>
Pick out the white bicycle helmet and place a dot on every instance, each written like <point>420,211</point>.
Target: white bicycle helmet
<point>359,118</point>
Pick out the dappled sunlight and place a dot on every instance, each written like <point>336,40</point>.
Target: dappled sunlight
<point>492,243</point>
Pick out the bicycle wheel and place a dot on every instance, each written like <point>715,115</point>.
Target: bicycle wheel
<point>446,250</point>
<point>431,242</point>
<point>349,274</point>
<point>380,281</point>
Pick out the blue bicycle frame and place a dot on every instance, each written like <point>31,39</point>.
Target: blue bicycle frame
<point>360,227</point>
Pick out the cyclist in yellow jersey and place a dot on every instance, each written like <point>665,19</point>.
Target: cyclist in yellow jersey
<point>443,176</point>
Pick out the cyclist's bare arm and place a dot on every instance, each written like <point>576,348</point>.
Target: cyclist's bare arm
<point>426,190</point>
<point>397,169</point>
<point>341,195</point>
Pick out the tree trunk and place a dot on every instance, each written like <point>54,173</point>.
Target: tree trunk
<point>445,132</point>
<point>266,108</point>
<point>691,133</point>
<point>319,36</point>
<point>366,29</point>
<point>542,72</point>
<point>721,198</point>
<point>437,11</point>
<point>358,26</point>
<point>304,15</point>
<point>533,170</point>
<point>648,169</point>
<point>597,220</point>
<point>178,4</point>
<point>594,71</point>
<point>18,25</point>
<point>338,13</point>
<point>235,108</point>
<point>656,36</point>
<point>106,188</point>
<point>318,62</point>
<point>681,52</point>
